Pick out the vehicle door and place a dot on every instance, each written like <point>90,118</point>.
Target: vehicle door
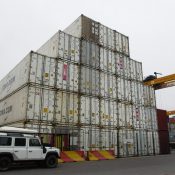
<point>6,144</point>
<point>35,150</point>
<point>20,149</point>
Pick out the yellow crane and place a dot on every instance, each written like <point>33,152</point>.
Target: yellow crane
<point>160,83</point>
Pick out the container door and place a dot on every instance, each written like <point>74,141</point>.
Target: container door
<point>63,142</point>
<point>34,149</point>
<point>20,149</point>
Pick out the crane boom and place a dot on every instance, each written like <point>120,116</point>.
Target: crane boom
<point>170,112</point>
<point>162,82</point>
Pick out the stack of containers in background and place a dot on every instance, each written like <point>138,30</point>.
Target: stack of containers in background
<point>86,93</point>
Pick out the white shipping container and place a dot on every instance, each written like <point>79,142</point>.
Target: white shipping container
<point>128,116</point>
<point>85,110</point>
<point>137,143</point>
<point>40,104</point>
<point>118,40</point>
<point>154,118</point>
<point>149,96</point>
<point>84,138</point>
<point>152,96</point>
<point>91,30</point>
<point>67,76</point>
<point>66,108</point>
<point>140,93</point>
<point>108,85</point>
<point>89,110</point>
<point>125,44</point>
<point>121,114</point>
<point>125,115</point>
<point>134,92</point>
<point>34,68</point>
<point>139,72</point>
<point>136,116</point>
<point>74,139</point>
<point>148,119</point>
<point>136,70</point>
<point>30,103</point>
<point>119,65</point>
<point>133,69</point>
<point>127,89</point>
<point>89,83</point>
<point>106,37</point>
<point>144,146</point>
<point>113,111</point>
<point>121,88</point>
<point>142,117</point>
<point>107,140</point>
<point>107,60</point>
<point>122,143</point>
<point>94,138</point>
<point>130,143</point>
<point>123,66</point>
<point>137,93</point>
<point>45,129</point>
<point>90,54</point>
<point>127,69</point>
<point>108,113</point>
<point>84,27</point>
<point>156,143</point>
<point>146,96</point>
<point>63,46</point>
<point>115,142</point>
<point>150,142</point>
<point>124,89</point>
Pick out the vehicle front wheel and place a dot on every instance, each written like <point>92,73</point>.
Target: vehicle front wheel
<point>5,163</point>
<point>51,161</point>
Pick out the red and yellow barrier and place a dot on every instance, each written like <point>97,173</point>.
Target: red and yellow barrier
<point>72,156</point>
<point>101,155</point>
<point>79,156</point>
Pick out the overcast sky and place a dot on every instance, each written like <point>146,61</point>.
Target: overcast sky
<point>150,24</point>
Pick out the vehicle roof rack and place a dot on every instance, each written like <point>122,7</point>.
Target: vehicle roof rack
<point>7,129</point>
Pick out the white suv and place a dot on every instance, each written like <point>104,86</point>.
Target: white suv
<point>22,145</point>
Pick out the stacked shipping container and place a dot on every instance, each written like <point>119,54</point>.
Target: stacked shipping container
<point>164,131</point>
<point>86,91</point>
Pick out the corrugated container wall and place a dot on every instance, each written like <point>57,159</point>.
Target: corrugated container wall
<point>29,103</point>
<point>66,108</point>
<point>63,46</point>
<point>67,76</point>
<point>34,69</point>
<point>91,30</point>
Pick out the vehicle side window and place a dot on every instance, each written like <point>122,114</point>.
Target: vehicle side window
<point>20,142</point>
<point>34,142</point>
<point>5,141</point>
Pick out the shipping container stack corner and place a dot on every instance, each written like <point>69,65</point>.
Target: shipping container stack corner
<point>82,91</point>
